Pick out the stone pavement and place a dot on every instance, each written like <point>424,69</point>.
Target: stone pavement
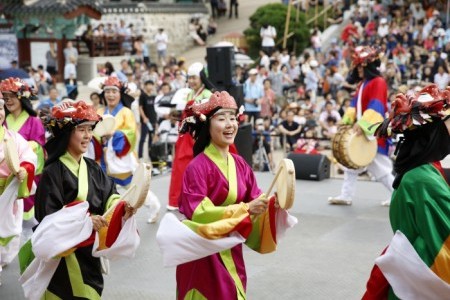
<point>328,255</point>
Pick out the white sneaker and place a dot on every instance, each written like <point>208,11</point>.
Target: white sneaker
<point>171,208</point>
<point>155,172</point>
<point>386,203</point>
<point>153,220</point>
<point>339,200</point>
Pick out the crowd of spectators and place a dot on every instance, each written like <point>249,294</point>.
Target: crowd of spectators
<point>295,102</point>
<point>302,98</point>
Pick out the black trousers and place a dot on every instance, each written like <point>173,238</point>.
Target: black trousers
<point>233,3</point>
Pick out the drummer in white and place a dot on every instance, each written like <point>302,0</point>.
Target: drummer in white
<point>368,107</point>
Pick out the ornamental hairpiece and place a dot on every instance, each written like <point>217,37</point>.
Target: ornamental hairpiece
<point>413,109</point>
<point>364,55</point>
<point>196,113</point>
<point>17,86</point>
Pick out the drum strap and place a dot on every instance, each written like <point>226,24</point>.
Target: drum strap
<point>358,103</point>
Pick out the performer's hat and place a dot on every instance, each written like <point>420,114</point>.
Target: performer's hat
<point>413,109</point>
<point>112,82</point>
<point>364,55</point>
<point>195,69</point>
<point>198,113</point>
<point>70,112</point>
<point>17,86</point>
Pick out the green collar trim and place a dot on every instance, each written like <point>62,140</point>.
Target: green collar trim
<point>214,154</point>
<point>228,170</point>
<point>80,171</point>
<point>2,133</point>
<point>15,124</point>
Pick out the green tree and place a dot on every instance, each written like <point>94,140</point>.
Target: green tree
<point>275,15</point>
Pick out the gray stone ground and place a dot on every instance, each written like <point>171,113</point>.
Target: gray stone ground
<point>328,255</point>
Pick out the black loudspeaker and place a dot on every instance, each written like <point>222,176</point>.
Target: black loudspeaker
<point>221,65</point>
<point>243,143</point>
<point>237,91</point>
<point>310,166</point>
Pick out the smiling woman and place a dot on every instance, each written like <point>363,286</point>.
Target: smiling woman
<point>220,200</point>
<point>73,188</point>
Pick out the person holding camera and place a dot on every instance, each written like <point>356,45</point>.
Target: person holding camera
<point>253,92</point>
<point>261,147</point>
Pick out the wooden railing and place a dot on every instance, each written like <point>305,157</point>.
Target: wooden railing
<point>102,46</point>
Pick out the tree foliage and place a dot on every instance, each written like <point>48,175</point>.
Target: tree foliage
<point>275,15</point>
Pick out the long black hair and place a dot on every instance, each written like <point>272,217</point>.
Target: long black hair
<point>26,105</point>
<point>57,145</point>
<point>428,143</point>
<point>371,70</point>
<point>201,133</point>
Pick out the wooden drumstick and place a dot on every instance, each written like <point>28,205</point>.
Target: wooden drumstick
<point>273,181</point>
<point>111,209</point>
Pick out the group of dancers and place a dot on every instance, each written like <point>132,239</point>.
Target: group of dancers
<point>215,191</point>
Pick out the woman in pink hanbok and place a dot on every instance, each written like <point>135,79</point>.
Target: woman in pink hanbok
<point>21,118</point>
<point>222,208</point>
<point>13,187</point>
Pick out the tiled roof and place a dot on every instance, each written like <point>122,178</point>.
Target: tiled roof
<point>52,7</point>
<point>130,7</point>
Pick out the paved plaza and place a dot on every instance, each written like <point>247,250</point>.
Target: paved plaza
<point>328,255</point>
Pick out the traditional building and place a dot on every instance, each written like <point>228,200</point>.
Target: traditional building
<point>43,21</point>
<point>48,21</point>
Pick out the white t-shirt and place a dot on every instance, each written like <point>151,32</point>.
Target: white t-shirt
<point>161,40</point>
<point>442,80</point>
<point>268,36</point>
<point>70,69</point>
<point>161,111</point>
<point>167,132</point>
<point>325,114</point>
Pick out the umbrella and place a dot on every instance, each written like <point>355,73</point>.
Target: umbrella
<point>16,73</point>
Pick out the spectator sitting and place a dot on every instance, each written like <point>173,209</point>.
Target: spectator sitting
<point>290,129</point>
<point>161,111</point>
<point>168,129</point>
<point>179,81</point>
<point>110,31</point>
<point>193,26</point>
<point>307,146</point>
<point>45,80</point>
<point>329,111</point>
<point>52,100</point>
<point>331,128</point>
<point>125,68</point>
<point>99,31</point>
